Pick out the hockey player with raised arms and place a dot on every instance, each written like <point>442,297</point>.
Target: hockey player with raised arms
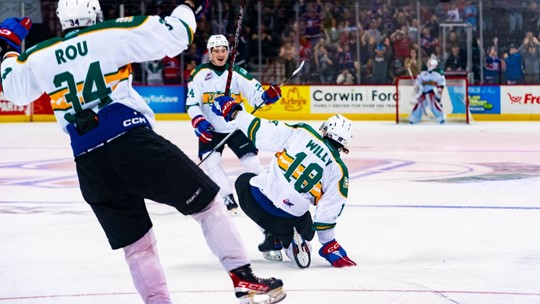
<point>206,83</point>
<point>120,160</point>
<point>429,87</point>
<point>306,170</point>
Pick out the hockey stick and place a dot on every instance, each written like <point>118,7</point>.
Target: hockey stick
<point>224,140</point>
<point>236,38</point>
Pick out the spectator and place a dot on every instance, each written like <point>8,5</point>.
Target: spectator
<point>373,31</point>
<point>428,42</point>
<point>312,24</point>
<point>190,66</point>
<point>154,72</point>
<point>396,69</point>
<point>380,63</point>
<point>305,54</point>
<point>344,58</point>
<point>530,18</point>
<point>411,63</point>
<point>287,54</point>
<point>412,30</point>
<point>452,14</point>
<point>331,34</point>
<point>470,14</point>
<point>514,10</point>
<point>400,19</point>
<point>401,44</point>
<point>492,67</point>
<point>456,61</point>
<point>531,60</point>
<point>171,70</point>
<point>193,53</point>
<point>514,65</point>
<point>324,64</point>
<point>345,77</point>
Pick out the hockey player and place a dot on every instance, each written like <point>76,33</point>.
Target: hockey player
<point>429,87</point>
<point>307,169</point>
<point>120,160</point>
<point>207,82</point>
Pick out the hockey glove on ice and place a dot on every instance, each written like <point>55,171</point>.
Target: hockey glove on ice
<point>198,6</point>
<point>271,95</point>
<point>14,30</point>
<point>226,106</point>
<point>203,129</point>
<point>335,254</point>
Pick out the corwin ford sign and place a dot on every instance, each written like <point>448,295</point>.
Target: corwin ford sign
<point>164,99</point>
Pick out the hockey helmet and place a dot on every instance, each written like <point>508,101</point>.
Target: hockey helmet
<point>339,129</point>
<point>215,41</point>
<point>432,64</point>
<point>78,13</point>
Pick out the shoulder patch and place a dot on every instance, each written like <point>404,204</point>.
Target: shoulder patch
<point>197,69</point>
<point>243,72</point>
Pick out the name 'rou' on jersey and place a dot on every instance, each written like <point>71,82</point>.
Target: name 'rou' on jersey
<point>90,68</point>
<point>206,83</point>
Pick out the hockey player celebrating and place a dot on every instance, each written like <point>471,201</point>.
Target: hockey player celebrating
<point>207,82</point>
<point>307,169</point>
<point>429,87</point>
<point>120,160</point>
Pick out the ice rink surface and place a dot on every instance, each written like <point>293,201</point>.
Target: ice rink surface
<point>436,214</point>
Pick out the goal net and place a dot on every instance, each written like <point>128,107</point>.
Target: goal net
<point>455,100</point>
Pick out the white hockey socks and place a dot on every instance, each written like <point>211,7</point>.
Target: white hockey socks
<point>146,272</point>
<point>251,163</point>
<point>222,236</point>
<point>217,174</point>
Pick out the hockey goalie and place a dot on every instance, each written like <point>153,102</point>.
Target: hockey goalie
<point>429,87</point>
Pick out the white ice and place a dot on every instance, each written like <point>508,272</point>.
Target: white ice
<point>436,214</point>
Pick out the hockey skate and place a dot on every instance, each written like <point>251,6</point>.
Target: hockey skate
<point>231,204</point>
<point>271,248</point>
<point>250,289</point>
<point>299,251</point>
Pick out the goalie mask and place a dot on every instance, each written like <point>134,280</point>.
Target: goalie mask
<point>432,64</point>
<point>339,129</point>
<point>78,13</point>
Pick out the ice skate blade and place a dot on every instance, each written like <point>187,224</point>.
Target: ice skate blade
<point>301,251</point>
<point>273,255</point>
<point>274,296</point>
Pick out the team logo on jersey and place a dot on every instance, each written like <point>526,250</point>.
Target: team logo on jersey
<point>208,76</point>
<point>288,202</point>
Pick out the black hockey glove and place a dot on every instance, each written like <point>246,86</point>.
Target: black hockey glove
<point>199,7</point>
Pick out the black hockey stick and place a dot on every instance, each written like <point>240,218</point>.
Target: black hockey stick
<point>236,38</point>
<point>252,112</point>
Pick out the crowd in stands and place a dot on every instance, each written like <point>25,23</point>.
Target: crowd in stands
<point>382,45</point>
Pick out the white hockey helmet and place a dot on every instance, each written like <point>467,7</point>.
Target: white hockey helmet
<point>217,40</point>
<point>339,129</point>
<point>432,64</point>
<point>78,13</point>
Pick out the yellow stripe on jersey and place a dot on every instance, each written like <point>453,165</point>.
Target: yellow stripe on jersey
<point>322,226</point>
<point>209,97</point>
<point>253,128</point>
<point>189,31</point>
<point>284,161</point>
<point>58,101</point>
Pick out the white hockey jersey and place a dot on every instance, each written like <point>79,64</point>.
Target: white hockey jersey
<point>90,68</point>
<point>206,84</point>
<point>306,169</point>
<point>429,81</point>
